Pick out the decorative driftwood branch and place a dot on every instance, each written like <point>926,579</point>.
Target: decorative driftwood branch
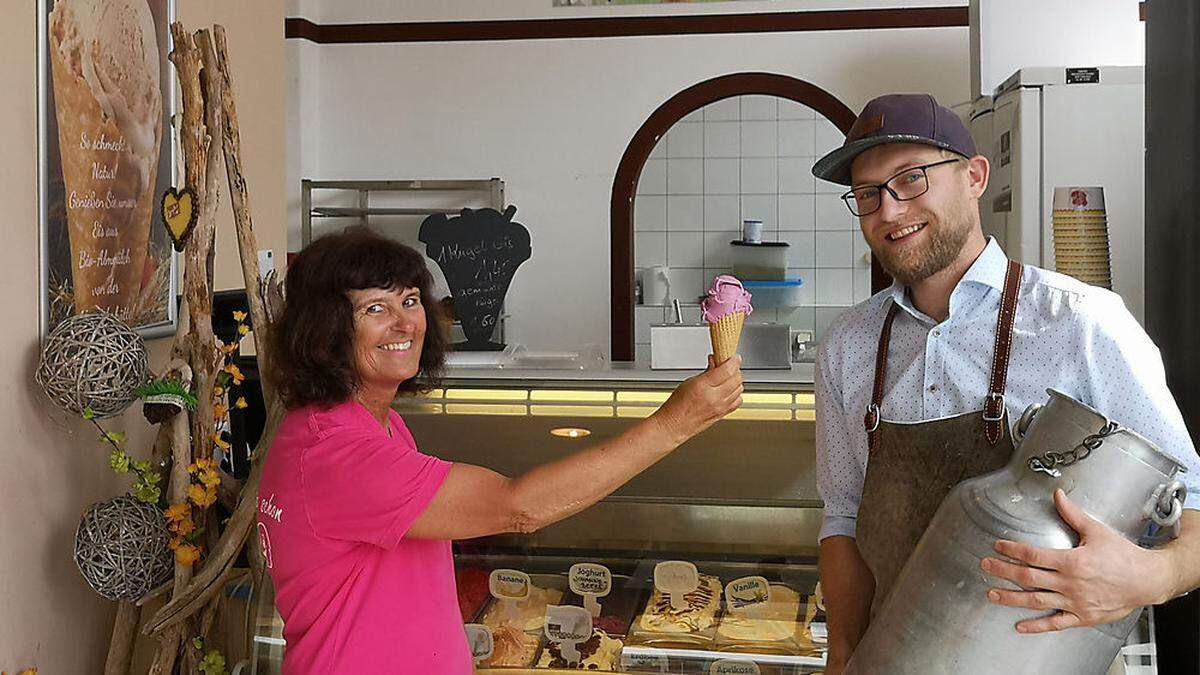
<point>247,244</point>
<point>190,599</point>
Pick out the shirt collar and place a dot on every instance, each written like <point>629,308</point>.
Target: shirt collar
<point>988,270</point>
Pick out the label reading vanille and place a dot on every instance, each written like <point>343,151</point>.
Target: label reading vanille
<point>747,595</point>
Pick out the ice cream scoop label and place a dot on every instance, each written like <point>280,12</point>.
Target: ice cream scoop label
<point>479,637</point>
<point>568,626</point>
<point>643,663</point>
<point>747,594</point>
<point>509,584</point>
<point>732,667</point>
<point>676,578</point>
<point>590,581</point>
<point>590,578</point>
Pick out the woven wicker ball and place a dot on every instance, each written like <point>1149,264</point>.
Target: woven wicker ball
<point>121,548</point>
<point>92,360</point>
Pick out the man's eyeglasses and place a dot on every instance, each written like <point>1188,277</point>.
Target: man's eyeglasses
<point>908,184</point>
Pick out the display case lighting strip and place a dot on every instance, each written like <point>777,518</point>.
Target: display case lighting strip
<point>772,406</point>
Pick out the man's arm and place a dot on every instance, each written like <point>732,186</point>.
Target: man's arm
<point>848,588</point>
<point>846,580</point>
<point>1099,581</point>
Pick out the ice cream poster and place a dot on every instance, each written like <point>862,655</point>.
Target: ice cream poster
<point>105,158</point>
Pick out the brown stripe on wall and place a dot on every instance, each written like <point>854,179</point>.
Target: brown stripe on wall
<point>628,26</point>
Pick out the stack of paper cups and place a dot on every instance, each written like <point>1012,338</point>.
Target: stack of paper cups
<point>1081,235</point>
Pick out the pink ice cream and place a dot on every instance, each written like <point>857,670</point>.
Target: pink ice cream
<point>726,296</point>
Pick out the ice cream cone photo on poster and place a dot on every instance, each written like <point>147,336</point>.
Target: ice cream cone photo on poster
<point>105,106</point>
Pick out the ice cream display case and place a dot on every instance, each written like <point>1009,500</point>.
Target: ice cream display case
<point>705,563</point>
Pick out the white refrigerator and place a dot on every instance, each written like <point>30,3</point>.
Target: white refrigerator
<point>1061,127</point>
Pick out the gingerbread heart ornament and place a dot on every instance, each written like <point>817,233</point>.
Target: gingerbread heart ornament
<point>178,209</point>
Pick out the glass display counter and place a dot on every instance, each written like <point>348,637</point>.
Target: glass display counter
<point>737,503</point>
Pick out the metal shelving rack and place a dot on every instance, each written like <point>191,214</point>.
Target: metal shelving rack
<point>488,192</point>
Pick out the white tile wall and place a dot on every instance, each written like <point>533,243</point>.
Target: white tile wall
<point>747,157</point>
<point>686,139</point>
<point>686,249</point>
<point>759,139</point>
<point>722,139</point>
<point>685,213</point>
<point>650,213</point>
<point>685,176</point>
<point>759,175</point>
<point>721,176</point>
<point>721,212</point>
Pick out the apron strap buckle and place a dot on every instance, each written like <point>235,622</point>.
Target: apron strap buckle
<point>998,407</point>
<point>871,421</point>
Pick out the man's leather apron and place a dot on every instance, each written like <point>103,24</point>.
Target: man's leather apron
<point>911,467</point>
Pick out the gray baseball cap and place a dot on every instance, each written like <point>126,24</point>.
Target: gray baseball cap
<point>896,118</point>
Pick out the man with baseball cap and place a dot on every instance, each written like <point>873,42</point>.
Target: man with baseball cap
<point>914,386</point>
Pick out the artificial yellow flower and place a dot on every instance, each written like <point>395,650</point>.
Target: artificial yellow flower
<point>201,496</point>
<point>239,316</point>
<point>229,348</point>
<point>235,373</point>
<point>218,391</point>
<point>221,442</point>
<point>178,512</point>
<point>240,403</point>
<point>210,478</point>
<point>243,329</point>
<point>206,464</point>
<point>187,554</point>
<point>184,527</point>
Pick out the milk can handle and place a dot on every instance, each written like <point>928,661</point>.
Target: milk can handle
<point>1165,506</point>
<point>1023,423</point>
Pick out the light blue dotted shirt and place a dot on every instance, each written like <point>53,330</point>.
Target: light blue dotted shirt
<point>1069,336</point>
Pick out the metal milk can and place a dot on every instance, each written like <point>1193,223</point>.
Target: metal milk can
<point>938,618</point>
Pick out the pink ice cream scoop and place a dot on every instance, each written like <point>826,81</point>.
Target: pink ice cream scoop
<point>725,296</point>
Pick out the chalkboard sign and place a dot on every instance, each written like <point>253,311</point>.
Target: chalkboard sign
<point>478,252</point>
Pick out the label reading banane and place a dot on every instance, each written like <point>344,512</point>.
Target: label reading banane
<point>676,578</point>
<point>733,667</point>
<point>509,584</point>
<point>743,596</point>
<point>479,637</point>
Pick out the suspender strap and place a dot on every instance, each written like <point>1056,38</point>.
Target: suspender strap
<point>993,405</point>
<point>871,422</point>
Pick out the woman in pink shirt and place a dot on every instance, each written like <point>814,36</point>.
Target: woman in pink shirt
<point>355,523</point>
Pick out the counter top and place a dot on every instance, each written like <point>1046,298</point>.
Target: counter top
<point>625,373</point>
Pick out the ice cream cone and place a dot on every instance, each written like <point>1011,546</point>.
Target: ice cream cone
<point>104,65</point>
<point>725,334</point>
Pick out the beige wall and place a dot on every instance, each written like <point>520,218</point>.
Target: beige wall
<point>51,467</point>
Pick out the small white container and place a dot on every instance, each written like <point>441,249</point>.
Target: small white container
<point>765,261</point>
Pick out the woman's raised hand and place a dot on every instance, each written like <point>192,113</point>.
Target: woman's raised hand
<point>703,399</point>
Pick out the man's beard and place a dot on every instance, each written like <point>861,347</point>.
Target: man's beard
<point>941,248</point>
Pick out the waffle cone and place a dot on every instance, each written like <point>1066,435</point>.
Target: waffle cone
<point>108,195</point>
<point>725,334</point>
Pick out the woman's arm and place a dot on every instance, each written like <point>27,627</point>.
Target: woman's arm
<point>474,501</point>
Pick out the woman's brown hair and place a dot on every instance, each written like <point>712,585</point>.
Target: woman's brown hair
<point>313,361</point>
